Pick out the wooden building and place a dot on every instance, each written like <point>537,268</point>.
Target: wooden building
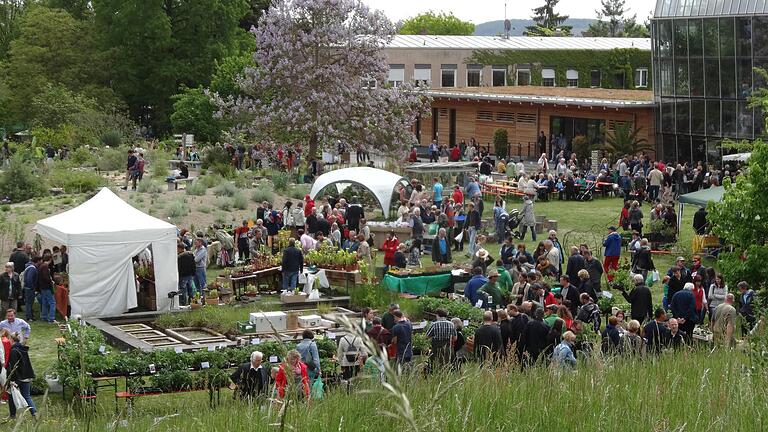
<point>463,113</point>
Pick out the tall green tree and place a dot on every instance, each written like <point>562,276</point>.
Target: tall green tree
<point>255,11</point>
<point>80,9</point>
<point>54,48</point>
<point>11,12</point>
<point>547,21</point>
<point>193,112</point>
<point>624,139</point>
<point>612,22</point>
<point>436,24</point>
<point>158,45</point>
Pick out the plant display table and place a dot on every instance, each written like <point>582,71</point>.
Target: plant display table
<point>240,282</point>
<point>418,283</point>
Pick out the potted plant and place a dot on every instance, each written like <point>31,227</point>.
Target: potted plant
<point>212,297</point>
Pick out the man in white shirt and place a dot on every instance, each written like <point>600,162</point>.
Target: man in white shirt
<point>307,242</point>
<point>15,325</point>
<point>655,179</point>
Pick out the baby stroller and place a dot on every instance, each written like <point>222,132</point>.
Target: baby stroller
<point>586,194</point>
<point>513,221</point>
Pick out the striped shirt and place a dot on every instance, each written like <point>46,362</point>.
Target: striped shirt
<point>442,330</point>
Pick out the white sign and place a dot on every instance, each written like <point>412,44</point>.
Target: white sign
<point>152,368</point>
<point>479,304</point>
<point>211,348</point>
<point>255,341</point>
<point>330,335</point>
<point>179,350</point>
<point>205,365</point>
<point>102,349</point>
<point>465,323</point>
<point>273,359</point>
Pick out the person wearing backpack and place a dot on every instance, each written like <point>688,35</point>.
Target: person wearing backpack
<point>348,353</point>
<point>309,354</point>
<point>589,312</point>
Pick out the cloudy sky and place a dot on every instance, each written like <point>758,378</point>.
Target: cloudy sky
<point>479,11</point>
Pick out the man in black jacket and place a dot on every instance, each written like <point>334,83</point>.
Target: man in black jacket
<point>252,379</point>
<point>20,372</point>
<point>505,326</point>
<point>186,266</point>
<point>534,338</point>
<point>640,299</point>
<point>518,321</point>
<point>576,262</point>
<point>10,288</point>
<point>293,264</point>
<point>354,214</point>
<point>570,294</point>
<point>700,221</point>
<point>19,258</point>
<point>487,339</point>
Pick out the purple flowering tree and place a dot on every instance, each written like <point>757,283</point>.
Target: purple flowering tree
<point>315,62</point>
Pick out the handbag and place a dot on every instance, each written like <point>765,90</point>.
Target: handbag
<point>18,399</point>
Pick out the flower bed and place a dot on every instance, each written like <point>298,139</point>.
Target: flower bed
<point>329,258</point>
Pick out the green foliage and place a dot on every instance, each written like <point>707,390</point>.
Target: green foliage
<point>547,22</point>
<point>584,61</point>
<point>112,159</point>
<point>197,188</point>
<point>82,156</point>
<point>193,112</point>
<point>21,182</point>
<point>430,23</point>
<point>280,180</point>
<point>111,139</point>
<point>227,189</point>
<point>217,160</point>
<point>612,22</point>
<point>177,209</point>
<point>261,194</point>
<point>455,308</point>
<point>224,204</point>
<point>149,186</point>
<point>298,191</point>
<point>582,147</point>
<point>501,143</point>
<point>239,201</point>
<point>211,180</point>
<point>224,78</point>
<point>75,181</point>
<point>624,140</point>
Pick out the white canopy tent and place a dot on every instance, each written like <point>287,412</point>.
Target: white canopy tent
<point>379,182</point>
<point>738,157</point>
<point>102,235</point>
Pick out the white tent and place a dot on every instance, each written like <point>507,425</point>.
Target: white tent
<point>738,157</point>
<point>381,183</point>
<point>102,236</point>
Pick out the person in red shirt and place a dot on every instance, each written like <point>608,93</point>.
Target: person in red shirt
<point>412,157</point>
<point>458,195</point>
<point>390,247</point>
<point>699,294</point>
<point>295,370</point>
<point>5,339</point>
<point>241,234</point>
<point>309,206</point>
<point>455,153</point>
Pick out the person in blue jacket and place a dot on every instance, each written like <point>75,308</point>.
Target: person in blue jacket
<point>474,284</point>
<point>683,307</point>
<point>612,245</point>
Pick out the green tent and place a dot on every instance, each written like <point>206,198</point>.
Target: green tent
<point>702,197</point>
<point>699,198</point>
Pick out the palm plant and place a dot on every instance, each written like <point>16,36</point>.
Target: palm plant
<point>623,139</point>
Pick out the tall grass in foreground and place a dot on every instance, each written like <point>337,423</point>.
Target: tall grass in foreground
<point>698,391</point>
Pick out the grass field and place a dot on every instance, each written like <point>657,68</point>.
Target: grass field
<point>672,393</point>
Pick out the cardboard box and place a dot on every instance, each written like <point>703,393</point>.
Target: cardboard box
<point>292,321</point>
<point>264,321</point>
<point>309,321</point>
<point>293,298</point>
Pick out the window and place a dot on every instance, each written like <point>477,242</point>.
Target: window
<point>595,78</point>
<point>485,115</point>
<point>474,75</point>
<point>448,75</point>
<point>641,78</point>
<point>572,78</point>
<point>422,75</point>
<point>396,75</point>
<point>506,117</point>
<point>548,77</point>
<point>523,77</point>
<point>499,76</point>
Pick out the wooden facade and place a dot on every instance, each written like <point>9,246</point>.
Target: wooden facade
<point>522,120</point>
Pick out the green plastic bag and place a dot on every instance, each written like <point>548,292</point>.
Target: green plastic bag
<point>317,390</point>
<point>433,228</point>
<point>649,279</point>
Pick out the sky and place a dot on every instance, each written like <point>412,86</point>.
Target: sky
<point>491,10</point>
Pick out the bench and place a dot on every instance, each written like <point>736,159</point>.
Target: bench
<point>175,164</point>
<point>173,184</point>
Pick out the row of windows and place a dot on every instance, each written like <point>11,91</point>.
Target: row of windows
<point>710,117</point>
<point>448,76</point>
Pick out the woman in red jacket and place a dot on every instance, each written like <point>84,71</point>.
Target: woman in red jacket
<point>293,368</point>
<point>5,340</point>
<point>390,247</point>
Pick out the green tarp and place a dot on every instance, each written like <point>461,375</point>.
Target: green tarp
<point>702,197</point>
<point>417,285</point>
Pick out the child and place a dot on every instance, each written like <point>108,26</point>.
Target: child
<point>400,259</point>
<point>414,258</point>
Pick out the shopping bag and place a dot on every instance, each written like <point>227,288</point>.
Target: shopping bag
<point>317,389</point>
<point>459,237</point>
<point>3,377</point>
<point>18,399</point>
<point>649,279</point>
<point>655,275</point>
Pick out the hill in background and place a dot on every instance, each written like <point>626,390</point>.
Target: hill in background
<point>493,28</point>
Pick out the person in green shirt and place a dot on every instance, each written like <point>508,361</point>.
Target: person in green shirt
<point>491,288</point>
<point>550,315</point>
<point>505,279</point>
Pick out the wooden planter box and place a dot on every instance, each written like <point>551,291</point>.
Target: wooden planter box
<point>293,298</point>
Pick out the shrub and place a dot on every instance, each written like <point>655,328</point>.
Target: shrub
<point>75,181</point>
<point>112,159</point>
<point>224,204</point>
<point>111,138</point>
<point>224,170</point>
<point>501,142</point>
<point>19,182</point>
<point>225,189</point>
<point>149,186</point>
<point>260,195</point>
<point>157,162</point>
<point>239,201</point>
<point>177,209</point>
<point>204,210</point>
<point>82,156</point>
<point>220,218</point>
<point>197,188</point>
<point>211,180</point>
<point>298,192</point>
<point>281,180</point>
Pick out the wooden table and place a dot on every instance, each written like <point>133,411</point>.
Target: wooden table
<point>240,283</point>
